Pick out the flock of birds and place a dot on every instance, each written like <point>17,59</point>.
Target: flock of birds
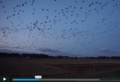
<point>69,24</point>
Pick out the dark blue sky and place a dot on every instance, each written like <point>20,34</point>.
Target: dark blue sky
<point>60,27</point>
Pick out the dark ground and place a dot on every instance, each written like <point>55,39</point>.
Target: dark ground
<point>59,68</point>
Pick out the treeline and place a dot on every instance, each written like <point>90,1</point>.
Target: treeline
<point>26,55</point>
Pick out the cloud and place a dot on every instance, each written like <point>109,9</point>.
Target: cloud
<point>10,51</point>
<point>53,52</point>
<point>48,50</point>
<point>107,50</point>
<point>20,51</point>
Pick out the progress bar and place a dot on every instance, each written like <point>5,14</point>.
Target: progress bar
<point>63,80</point>
<point>51,80</point>
<point>25,79</point>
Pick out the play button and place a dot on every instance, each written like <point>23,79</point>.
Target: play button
<point>4,79</point>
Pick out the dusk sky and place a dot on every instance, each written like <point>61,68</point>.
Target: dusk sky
<point>60,27</point>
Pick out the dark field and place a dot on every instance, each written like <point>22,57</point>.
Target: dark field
<point>52,68</point>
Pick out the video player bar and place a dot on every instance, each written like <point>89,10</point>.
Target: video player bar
<point>51,80</point>
<point>39,78</point>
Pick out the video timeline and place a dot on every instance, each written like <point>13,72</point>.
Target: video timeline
<point>39,78</point>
